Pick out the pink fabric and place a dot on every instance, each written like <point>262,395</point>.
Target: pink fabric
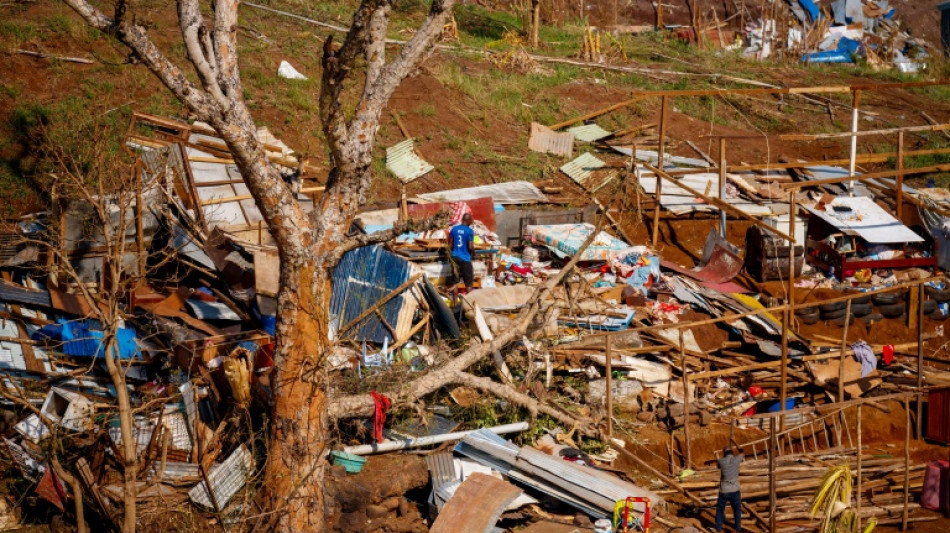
<point>934,495</point>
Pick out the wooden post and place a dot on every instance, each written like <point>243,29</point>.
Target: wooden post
<point>659,15</point>
<point>772,475</point>
<point>844,349</point>
<point>783,396</point>
<point>659,165</point>
<point>610,403</point>
<point>855,102</point>
<point>722,185</point>
<point>912,310</point>
<point>792,208</point>
<point>689,458</point>
<point>920,361</point>
<point>403,204</point>
<point>906,463</point>
<point>857,498</point>
<point>139,226</point>
<point>900,174</point>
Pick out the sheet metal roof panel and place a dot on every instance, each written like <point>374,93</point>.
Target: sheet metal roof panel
<point>225,478</point>
<point>653,157</point>
<point>581,168</point>
<point>588,132</point>
<point>507,193</point>
<point>547,141</point>
<point>867,220</point>
<point>404,163</point>
<point>362,277</point>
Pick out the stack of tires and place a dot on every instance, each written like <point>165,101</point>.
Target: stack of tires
<point>874,308</point>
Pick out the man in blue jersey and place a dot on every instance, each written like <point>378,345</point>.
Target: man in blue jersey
<point>461,242</point>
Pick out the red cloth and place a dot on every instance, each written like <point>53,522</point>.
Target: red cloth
<point>755,391</point>
<point>379,420</point>
<point>52,490</point>
<point>888,354</point>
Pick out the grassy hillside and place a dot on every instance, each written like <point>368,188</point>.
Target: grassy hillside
<point>469,106</point>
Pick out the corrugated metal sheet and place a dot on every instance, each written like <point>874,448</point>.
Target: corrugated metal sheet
<point>404,163</point>
<point>364,276</point>
<point>507,193</point>
<point>588,132</point>
<point>225,478</point>
<point>582,167</point>
<point>587,489</point>
<point>938,415</point>
<point>547,141</point>
<point>668,160</point>
<point>18,294</point>
<point>441,472</point>
<point>865,219</point>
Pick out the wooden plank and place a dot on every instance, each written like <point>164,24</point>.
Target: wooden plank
<point>476,505</point>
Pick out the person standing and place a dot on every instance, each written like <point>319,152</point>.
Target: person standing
<point>729,486</point>
<point>462,244</point>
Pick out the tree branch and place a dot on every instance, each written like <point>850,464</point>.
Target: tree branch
<point>136,38</point>
<point>440,220</point>
<point>200,54</point>
<point>362,405</point>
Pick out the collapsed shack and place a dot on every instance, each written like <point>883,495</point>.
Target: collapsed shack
<point>594,334</point>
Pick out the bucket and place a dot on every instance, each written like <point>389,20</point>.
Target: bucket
<point>352,463</point>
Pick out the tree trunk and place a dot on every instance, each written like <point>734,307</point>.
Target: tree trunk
<point>293,477</point>
<point>535,22</point>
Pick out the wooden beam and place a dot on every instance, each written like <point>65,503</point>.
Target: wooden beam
<point>595,114</point>
<point>852,134</point>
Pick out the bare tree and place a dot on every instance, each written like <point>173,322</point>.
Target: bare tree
<point>309,246</point>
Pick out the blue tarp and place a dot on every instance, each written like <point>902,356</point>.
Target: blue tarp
<point>813,12</point>
<point>83,338</point>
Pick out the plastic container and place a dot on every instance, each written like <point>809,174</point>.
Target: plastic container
<point>934,494</point>
<point>352,463</point>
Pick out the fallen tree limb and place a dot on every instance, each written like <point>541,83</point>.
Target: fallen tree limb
<point>534,406</point>
<point>363,406</point>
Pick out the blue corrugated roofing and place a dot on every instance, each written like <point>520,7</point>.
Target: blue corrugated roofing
<point>361,279</point>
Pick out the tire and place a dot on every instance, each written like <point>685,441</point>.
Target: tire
<point>940,295</point>
<point>841,320</point>
<point>861,309</point>
<point>893,310</point>
<point>930,306</point>
<point>887,298</point>
<point>806,311</point>
<point>937,315</point>
<point>829,315</point>
<point>828,308</point>
<point>872,318</point>
<point>809,319</point>
<point>866,299</point>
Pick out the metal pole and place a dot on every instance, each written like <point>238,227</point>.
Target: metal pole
<point>855,102</point>
<point>722,185</point>
<point>610,377</point>
<point>659,164</point>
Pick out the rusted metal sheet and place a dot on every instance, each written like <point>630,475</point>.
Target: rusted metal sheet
<point>588,133</point>
<point>548,141</point>
<point>476,505</point>
<point>404,163</point>
<point>723,266</point>
<point>938,415</point>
